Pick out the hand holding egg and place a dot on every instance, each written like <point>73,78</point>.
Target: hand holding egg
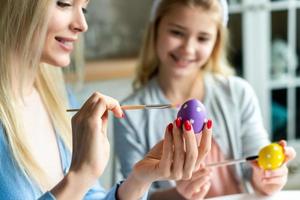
<point>194,112</point>
<point>270,171</point>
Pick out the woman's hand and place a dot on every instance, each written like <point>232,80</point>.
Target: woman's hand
<point>90,143</point>
<point>174,158</point>
<point>90,147</point>
<point>198,186</point>
<point>271,181</point>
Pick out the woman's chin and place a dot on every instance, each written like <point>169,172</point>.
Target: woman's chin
<point>59,63</point>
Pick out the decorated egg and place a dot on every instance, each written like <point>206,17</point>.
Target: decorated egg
<point>271,157</point>
<point>194,111</point>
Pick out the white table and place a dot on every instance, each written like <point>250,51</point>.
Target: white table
<point>283,195</point>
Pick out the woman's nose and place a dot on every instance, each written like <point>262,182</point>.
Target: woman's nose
<point>79,23</point>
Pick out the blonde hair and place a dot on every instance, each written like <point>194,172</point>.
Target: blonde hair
<point>148,62</point>
<point>23,25</point>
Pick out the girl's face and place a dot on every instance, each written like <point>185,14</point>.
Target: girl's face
<point>67,21</point>
<point>185,40</point>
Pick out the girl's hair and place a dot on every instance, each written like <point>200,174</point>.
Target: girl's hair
<point>23,25</point>
<point>148,62</point>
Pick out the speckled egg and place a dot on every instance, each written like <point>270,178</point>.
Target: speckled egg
<point>194,111</point>
<point>271,157</point>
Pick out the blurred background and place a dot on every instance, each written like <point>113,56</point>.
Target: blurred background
<point>265,50</point>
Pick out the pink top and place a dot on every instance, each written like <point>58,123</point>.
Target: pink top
<point>223,181</point>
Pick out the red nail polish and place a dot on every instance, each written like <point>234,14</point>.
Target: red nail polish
<point>170,128</point>
<point>209,124</point>
<point>178,122</point>
<point>123,115</point>
<point>187,125</point>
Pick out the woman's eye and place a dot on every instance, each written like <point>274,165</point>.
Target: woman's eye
<point>84,10</point>
<point>63,4</point>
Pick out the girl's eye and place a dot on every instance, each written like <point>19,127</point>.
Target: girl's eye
<point>63,4</point>
<point>176,33</point>
<point>203,39</point>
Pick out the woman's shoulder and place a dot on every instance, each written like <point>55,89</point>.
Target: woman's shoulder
<point>72,100</point>
<point>2,135</point>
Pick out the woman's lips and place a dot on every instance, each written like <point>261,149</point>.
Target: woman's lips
<point>65,43</point>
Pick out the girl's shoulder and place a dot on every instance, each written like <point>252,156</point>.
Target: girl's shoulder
<point>231,84</point>
<point>232,89</point>
<point>148,94</point>
<point>230,81</point>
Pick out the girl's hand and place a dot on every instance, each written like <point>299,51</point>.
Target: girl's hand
<point>90,143</point>
<point>271,181</point>
<point>197,187</point>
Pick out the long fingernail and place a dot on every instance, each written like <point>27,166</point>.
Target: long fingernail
<point>209,124</point>
<point>170,128</point>
<point>187,125</point>
<point>178,122</point>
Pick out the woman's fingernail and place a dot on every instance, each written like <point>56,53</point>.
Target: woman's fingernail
<point>123,115</point>
<point>178,122</point>
<point>187,125</point>
<point>209,124</point>
<point>170,128</point>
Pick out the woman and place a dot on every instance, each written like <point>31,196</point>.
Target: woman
<point>36,139</point>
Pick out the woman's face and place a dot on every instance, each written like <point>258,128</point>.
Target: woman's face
<point>185,40</point>
<point>67,21</point>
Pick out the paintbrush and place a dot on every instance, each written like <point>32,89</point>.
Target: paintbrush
<point>232,162</point>
<point>139,107</point>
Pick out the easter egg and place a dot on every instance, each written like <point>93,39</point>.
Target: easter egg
<point>271,157</point>
<point>194,111</point>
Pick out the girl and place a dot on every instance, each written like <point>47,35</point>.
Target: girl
<point>36,39</point>
<point>183,57</point>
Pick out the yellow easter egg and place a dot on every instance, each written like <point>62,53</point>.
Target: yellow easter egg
<point>271,157</point>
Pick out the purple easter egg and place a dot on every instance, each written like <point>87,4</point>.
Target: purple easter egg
<point>194,111</point>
